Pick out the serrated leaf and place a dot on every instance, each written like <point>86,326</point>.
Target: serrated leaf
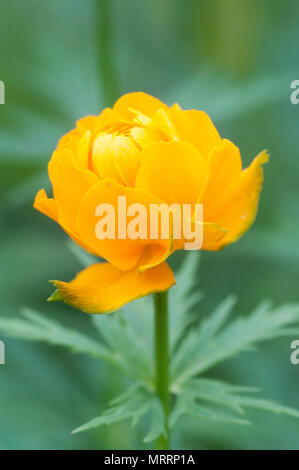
<point>213,391</point>
<point>184,297</point>
<point>131,406</point>
<point>212,325</point>
<point>157,427</point>
<point>33,326</point>
<point>187,404</point>
<point>134,404</point>
<point>201,351</point>
<point>126,395</point>
<point>267,405</point>
<point>130,351</point>
<point>201,335</point>
<point>214,414</point>
<point>228,395</point>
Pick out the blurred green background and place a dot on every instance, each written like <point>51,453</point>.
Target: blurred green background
<point>233,59</point>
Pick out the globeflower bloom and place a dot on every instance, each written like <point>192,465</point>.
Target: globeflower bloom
<point>151,154</point>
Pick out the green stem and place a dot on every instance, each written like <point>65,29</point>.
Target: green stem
<point>162,361</point>
<point>106,53</point>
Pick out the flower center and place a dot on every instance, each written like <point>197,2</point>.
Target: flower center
<point>115,154</point>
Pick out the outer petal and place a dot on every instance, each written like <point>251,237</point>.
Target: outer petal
<point>78,144</point>
<point>82,150</point>
<point>173,171</point>
<point>237,209</point>
<point>196,128</point>
<point>102,288</point>
<point>51,208</point>
<point>139,101</point>
<point>225,170</point>
<point>70,183</point>
<point>46,206</point>
<point>212,236</point>
<point>155,254</point>
<point>125,253</point>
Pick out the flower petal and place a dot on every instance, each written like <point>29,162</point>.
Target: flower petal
<point>195,127</point>
<point>212,236</point>
<point>154,254</point>
<point>92,123</point>
<point>124,253</point>
<point>102,288</point>
<point>225,169</point>
<point>82,150</point>
<point>116,156</point>
<point>51,208</point>
<point>78,144</point>
<point>70,183</point>
<point>45,205</point>
<point>138,101</point>
<point>172,171</point>
<point>237,209</point>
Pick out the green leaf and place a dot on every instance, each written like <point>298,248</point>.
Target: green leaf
<point>157,427</point>
<point>127,394</point>
<point>130,350</point>
<point>217,392</point>
<point>134,404</point>
<point>184,297</point>
<point>197,338</point>
<point>214,342</point>
<point>187,404</point>
<point>119,345</point>
<point>122,347</point>
<point>211,326</point>
<point>33,326</point>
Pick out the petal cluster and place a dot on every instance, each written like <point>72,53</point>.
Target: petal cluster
<point>151,154</point>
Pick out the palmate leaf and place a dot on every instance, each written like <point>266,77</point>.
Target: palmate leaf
<point>134,404</point>
<point>216,340</point>
<point>129,405</point>
<point>33,326</point>
<point>186,404</point>
<point>194,395</point>
<point>184,297</point>
<point>157,427</point>
<point>130,350</point>
<point>117,332</point>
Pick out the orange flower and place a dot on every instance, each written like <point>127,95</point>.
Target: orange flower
<point>151,154</point>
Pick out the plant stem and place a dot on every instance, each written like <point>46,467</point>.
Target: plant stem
<point>106,53</point>
<point>162,361</point>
